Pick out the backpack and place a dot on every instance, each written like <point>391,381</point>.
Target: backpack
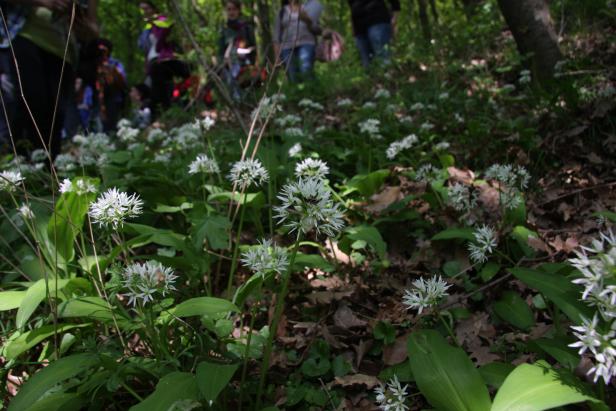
<point>331,46</point>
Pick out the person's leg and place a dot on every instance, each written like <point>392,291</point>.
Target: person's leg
<point>306,55</point>
<point>364,48</point>
<point>380,36</point>
<point>287,58</point>
<point>162,87</point>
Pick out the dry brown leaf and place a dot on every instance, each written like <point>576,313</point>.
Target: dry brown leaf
<point>345,318</point>
<point>397,352</point>
<point>384,199</point>
<point>489,197</point>
<point>356,379</point>
<point>538,244</point>
<point>482,355</point>
<point>566,246</point>
<point>461,176</point>
<point>326,297</point>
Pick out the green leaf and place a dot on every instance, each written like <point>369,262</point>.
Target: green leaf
<point>455,233</point>
<point>489,270</point>
<point>366,184</point>
<point>48,377</point>
<point>520,234</point>
<point>403,371</point>
<point>558,289</point>
<point>370,235</point>
<point>59,401</point>
<point>445,375</point>
<point>254,200</point>
<point>559,350</point>
<point>163,208</point>
<point>34,295</point>
<point>212,378</point>
<point>10,300</point>
<point>214,229</point>
<point>494,374</point>
<point>383,330</point>
<point>513,309</point>
<point>29,339</point>
<point>209,306</point>
<point>340,366</point>
<point>311,261</point>
<point>173,387</point>
<point>610,215</point>
<point>92,308</point>
<point>536,387</point>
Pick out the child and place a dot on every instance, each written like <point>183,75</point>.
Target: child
<point>142,114</point>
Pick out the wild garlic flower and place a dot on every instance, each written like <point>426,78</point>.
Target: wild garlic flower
<point>155,135</point>
<point>80,187</point>
<point>294,132</point>
<point>597,264</point>
<point>26,212</point>
<point>372,127</point>
<point>344,102</point>
<point>9,180</point>
<point>427,173</point>
<point>295,150</point>
<point>427,126</point>
<point>425,293</point>
<point>265,258</point>
<point>289,120</point>
<point>162,157</point>
<point>313,105</point>
<point>38,155</point>
<point>307,205</point>
<point>369,105</point>
<point>248,172</point>
<point>442,146</point>
<point>485,243</point>
<point>113,207</point>
<point>382,94</point>
<point>512,180</point>
<point>311,167</point>
<point>460,197</point>
<point>203,164</point>
<point>268,106</point>
<point>392,397</point>
<point>397,146</point>
<point>417,107</point>
<point>443,96</point>
<point>128,134</point>
<point>124,123</point>
<point>525,77</point>
<point>144,281</point>
<point>205,123</point>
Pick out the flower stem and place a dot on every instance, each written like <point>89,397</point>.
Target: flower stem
<point>277,314</point>
<point>237,245</point>
<point>246,358</point>
<point>448,328</point>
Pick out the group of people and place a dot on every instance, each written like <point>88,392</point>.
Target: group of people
<point>49,88</point>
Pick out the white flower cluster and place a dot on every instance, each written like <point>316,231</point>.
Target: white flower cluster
<point>288,121</point>
<point>248,172</point>
<point>372,127</point>
<point>65,163</point>
<point>145,280</point>
<point>382,93</point>
<point>512,181</point>
<point>155,135</point>
<point>460,197</point>
<point>92,150</point>
<point>266,258</point>
<point>295,150</point>
<point>442,146</point>
<point>427,173</point>
<point>128,134</point>
<point>311,167</point>
<point>344,102</point>
<point>80,187</point>
<point>427,126</point>
<point>307,205</point>
<point>184,137</point>
<point>485,243</point>
<point>425,294</point>
<point>597,264</point>
<point>268,106</point>
<point>205,123</point>
<point>313,105</point>
<point>392,397</point>
<point>38,155</point>
<point>294,132</point>
<point>525,77</point>
<point>203,164</point>
<point>417,107</point>
<point>369,105</point>
<point>443,96</point>
<point>26,212</point>
<point>9,180</point>
<point>397,146</point>
<point>113,207</point>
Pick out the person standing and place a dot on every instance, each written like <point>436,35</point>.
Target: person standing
<point>110,85</point>
<point>373,26</point>
<point>295,37</point>
<point>38,31</point>
<point>162,64</point>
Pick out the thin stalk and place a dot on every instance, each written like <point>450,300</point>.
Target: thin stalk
<point>449,330</point>
<point>236,247</point>
<point>280,297</point>
<point>245,366</point>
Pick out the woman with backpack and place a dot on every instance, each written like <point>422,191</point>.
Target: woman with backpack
<point>162,64</point>
<point>295,37</point>
<point>373,26</point>
<point>237,48</point>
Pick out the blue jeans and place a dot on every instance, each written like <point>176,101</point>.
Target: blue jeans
<point>374,43</point>
<point>299,62</point>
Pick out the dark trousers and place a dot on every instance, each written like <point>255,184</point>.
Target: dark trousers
<point>40,79</point>
<point>162,74</point>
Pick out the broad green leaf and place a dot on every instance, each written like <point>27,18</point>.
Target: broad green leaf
<point>520,234</point>
<point>29,339</point>
<point>536,387</point>
<point>370,235</point>
<point>403,371</point>
<point>173,387</point>
<point>213,228</point>
<point>610,215</point>
<point>91,308</point>
<point>158,236</point>
<point>11,299</point>
<point>462,233</point>
<point>513,309</point>
<point>59,401</point>
<point>254,200</point>
<point>209,306</point>
<point>243,292</point>
<point>311,261</point>
<point>48,377</point>
<point>489,270</point>
<point>445,375</point>
<point>163,208</point>
<point>34,295</point>
<point>366,184</point>
<point>212,378</point>
<point>558,289</point>
<point>558,349</point>
<point>494,374</point>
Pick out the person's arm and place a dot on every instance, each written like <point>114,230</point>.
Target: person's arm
<point>395,10</point>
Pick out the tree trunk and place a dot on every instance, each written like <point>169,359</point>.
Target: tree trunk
<point>424,21</point>
<point>532,29</point>
<point>434,11</point>
<point>264,29</point>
